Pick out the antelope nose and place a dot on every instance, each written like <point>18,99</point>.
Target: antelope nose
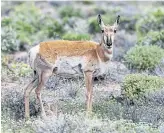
<point>109,41</point>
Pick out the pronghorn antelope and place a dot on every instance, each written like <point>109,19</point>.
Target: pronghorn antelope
<point>82,58</point>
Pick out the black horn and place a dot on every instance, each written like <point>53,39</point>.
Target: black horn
<point>99,19</point>
<point>118,19</point>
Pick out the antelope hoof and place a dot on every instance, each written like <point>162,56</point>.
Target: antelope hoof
<point>89,113</point>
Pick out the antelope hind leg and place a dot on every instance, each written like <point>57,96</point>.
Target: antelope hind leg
<point>27,93</point>
<point>43,79</point>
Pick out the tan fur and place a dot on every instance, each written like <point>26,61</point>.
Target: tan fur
<point>69,57</point>
<point>50,50</point>
<point>92,56</point>
<point>46,56</point>
<point>101,53</point>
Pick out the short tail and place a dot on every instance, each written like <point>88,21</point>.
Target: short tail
<point>32,54</point>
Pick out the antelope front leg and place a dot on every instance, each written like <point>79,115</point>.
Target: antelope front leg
<point>88,81</point>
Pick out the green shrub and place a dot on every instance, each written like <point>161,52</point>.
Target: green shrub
<point>9,40</point>
<point>6,21</point>
<point>153,38</point>
<point>151,22</point>
<point>74,36</point>
<point>68,11</point>
<point>53,27</point>
<point>15,69</point>
<point>137,86</point>
<point>93,25</point>
<point>25,18</point>
<point>31,25</point>
<point>21,69</point>
<point>144,57</point>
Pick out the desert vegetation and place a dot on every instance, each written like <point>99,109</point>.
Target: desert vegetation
<point>129,98</point>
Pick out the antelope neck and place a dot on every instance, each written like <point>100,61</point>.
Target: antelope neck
<point>103,53</point>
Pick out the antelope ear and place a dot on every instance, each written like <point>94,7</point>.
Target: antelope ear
<point>100,21</point>
<point>117,21</point>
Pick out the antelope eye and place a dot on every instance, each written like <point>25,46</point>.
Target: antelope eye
<point>102,31</point>
<point>115,31</point>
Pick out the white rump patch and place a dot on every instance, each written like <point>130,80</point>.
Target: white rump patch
<point>32,55</point>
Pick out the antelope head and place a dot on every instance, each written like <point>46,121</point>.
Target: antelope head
<point>108,32</point>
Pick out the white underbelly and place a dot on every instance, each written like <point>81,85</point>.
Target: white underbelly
<point>74,66</point>
<point>101,69</point>
<point>71,66</point>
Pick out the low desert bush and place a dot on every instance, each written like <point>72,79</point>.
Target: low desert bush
<point>152,21</point>
<point>81,124</point>
<point>30,25</point>
<point>139,86</point>
<point>68,11</point>
<point>144,57</point>
<point>21,69</point>
<point>9,125</point>
<point>75,123</point>
<point>15,70</point>
<point>153,38</point>
<point>9,41</point>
